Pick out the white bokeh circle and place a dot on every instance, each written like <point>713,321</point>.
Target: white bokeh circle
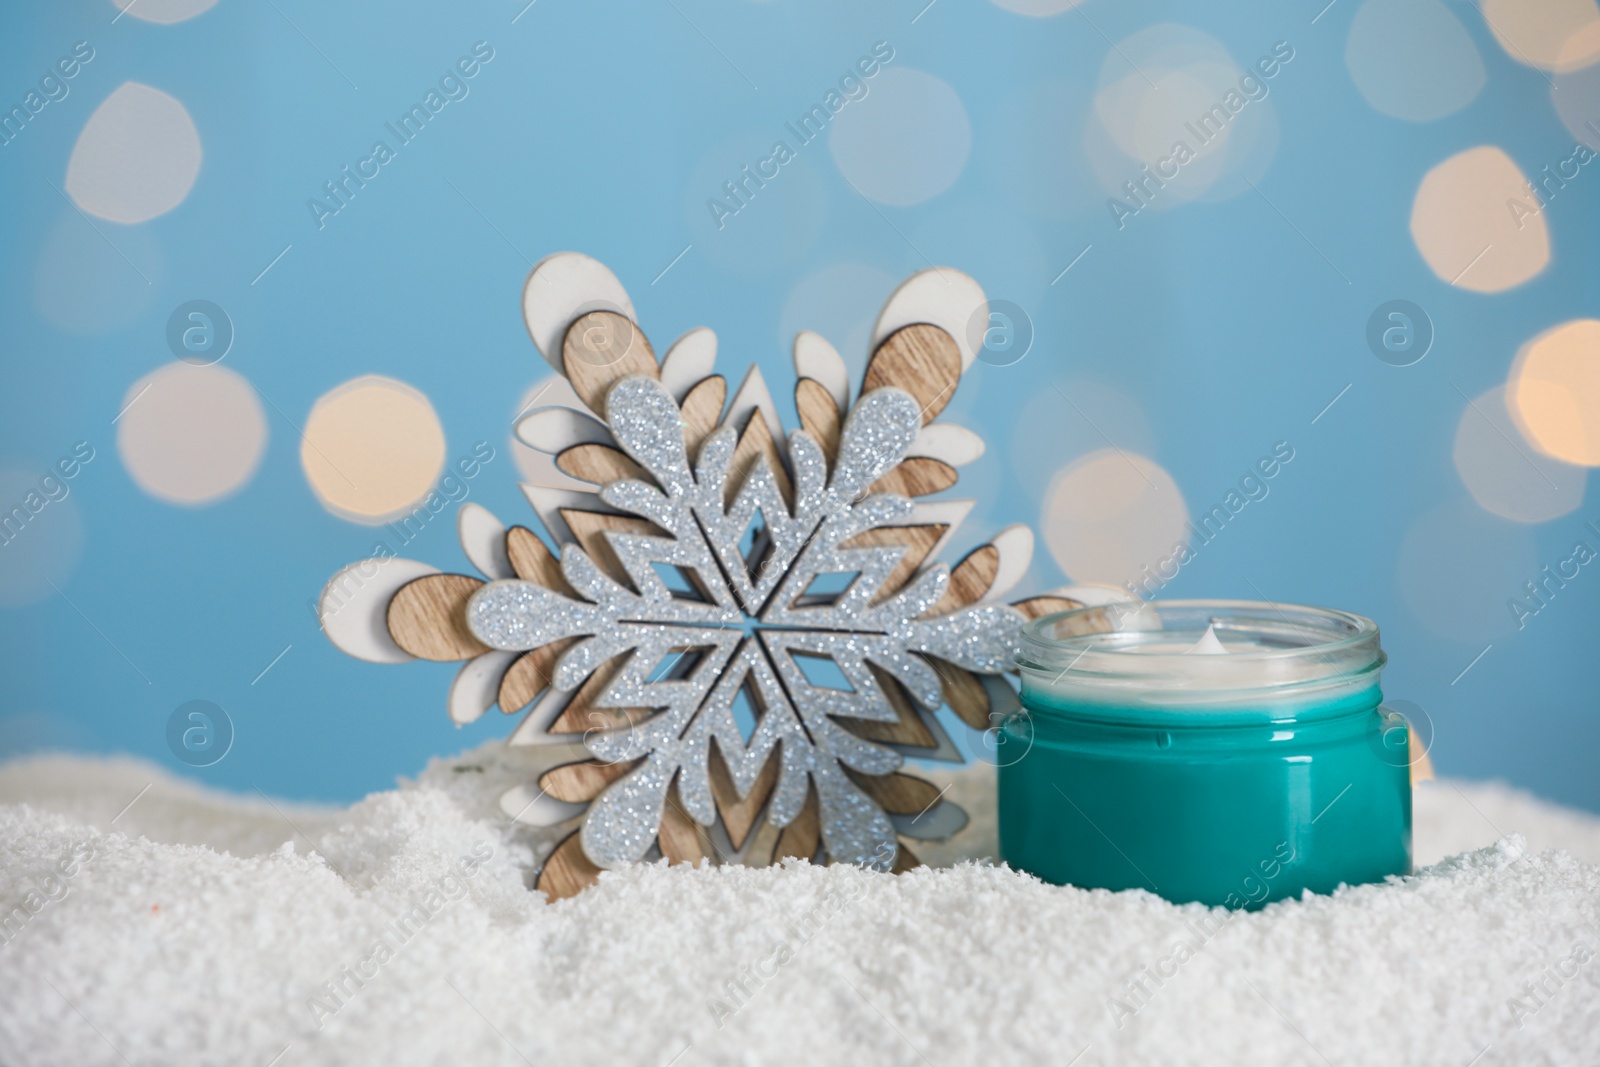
<point>1154,87</point>
<point>1039,9</point>
<point>137,157</point>
<point>163,12</point>
<point>1413,59</point>
<point>191,434</point>
<point>906,142</point>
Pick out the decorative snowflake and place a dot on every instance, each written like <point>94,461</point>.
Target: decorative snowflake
<point>748,638</point>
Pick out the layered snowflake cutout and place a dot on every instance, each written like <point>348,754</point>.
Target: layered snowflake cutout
<point>746,634</point>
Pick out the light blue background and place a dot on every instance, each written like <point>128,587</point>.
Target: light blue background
<point>603,128</point>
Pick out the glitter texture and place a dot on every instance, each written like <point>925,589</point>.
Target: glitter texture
<point>858,631</point>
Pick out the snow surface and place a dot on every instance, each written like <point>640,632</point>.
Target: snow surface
<point>200,927</point>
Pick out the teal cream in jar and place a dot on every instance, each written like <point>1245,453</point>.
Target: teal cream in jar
<point>1226,752</point>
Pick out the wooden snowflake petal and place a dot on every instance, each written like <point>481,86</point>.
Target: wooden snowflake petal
<point>707,742</point>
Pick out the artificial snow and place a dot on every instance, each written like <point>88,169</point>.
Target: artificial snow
<point>196,927</point>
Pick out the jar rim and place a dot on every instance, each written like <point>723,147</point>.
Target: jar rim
<point>1146,647</point>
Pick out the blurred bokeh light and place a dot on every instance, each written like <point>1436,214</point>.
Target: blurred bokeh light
<point>372,449</point>
<point>1188,313</point>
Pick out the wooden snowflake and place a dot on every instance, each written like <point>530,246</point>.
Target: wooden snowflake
<point>747,633</point>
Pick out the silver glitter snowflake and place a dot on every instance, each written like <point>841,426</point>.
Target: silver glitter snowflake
<point>739,628</point>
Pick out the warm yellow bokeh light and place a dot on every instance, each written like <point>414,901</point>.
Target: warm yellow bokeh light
<point>1110,514</point>
<point>1469,227</point>
<point>1554,391</point>
<point>1550,34</point>
<point>372,450</point>
<point>191,434</point>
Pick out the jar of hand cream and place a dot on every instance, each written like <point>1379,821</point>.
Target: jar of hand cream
<point>1218,751</point>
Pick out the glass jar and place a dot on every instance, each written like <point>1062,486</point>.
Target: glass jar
<point>1219,751</point>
